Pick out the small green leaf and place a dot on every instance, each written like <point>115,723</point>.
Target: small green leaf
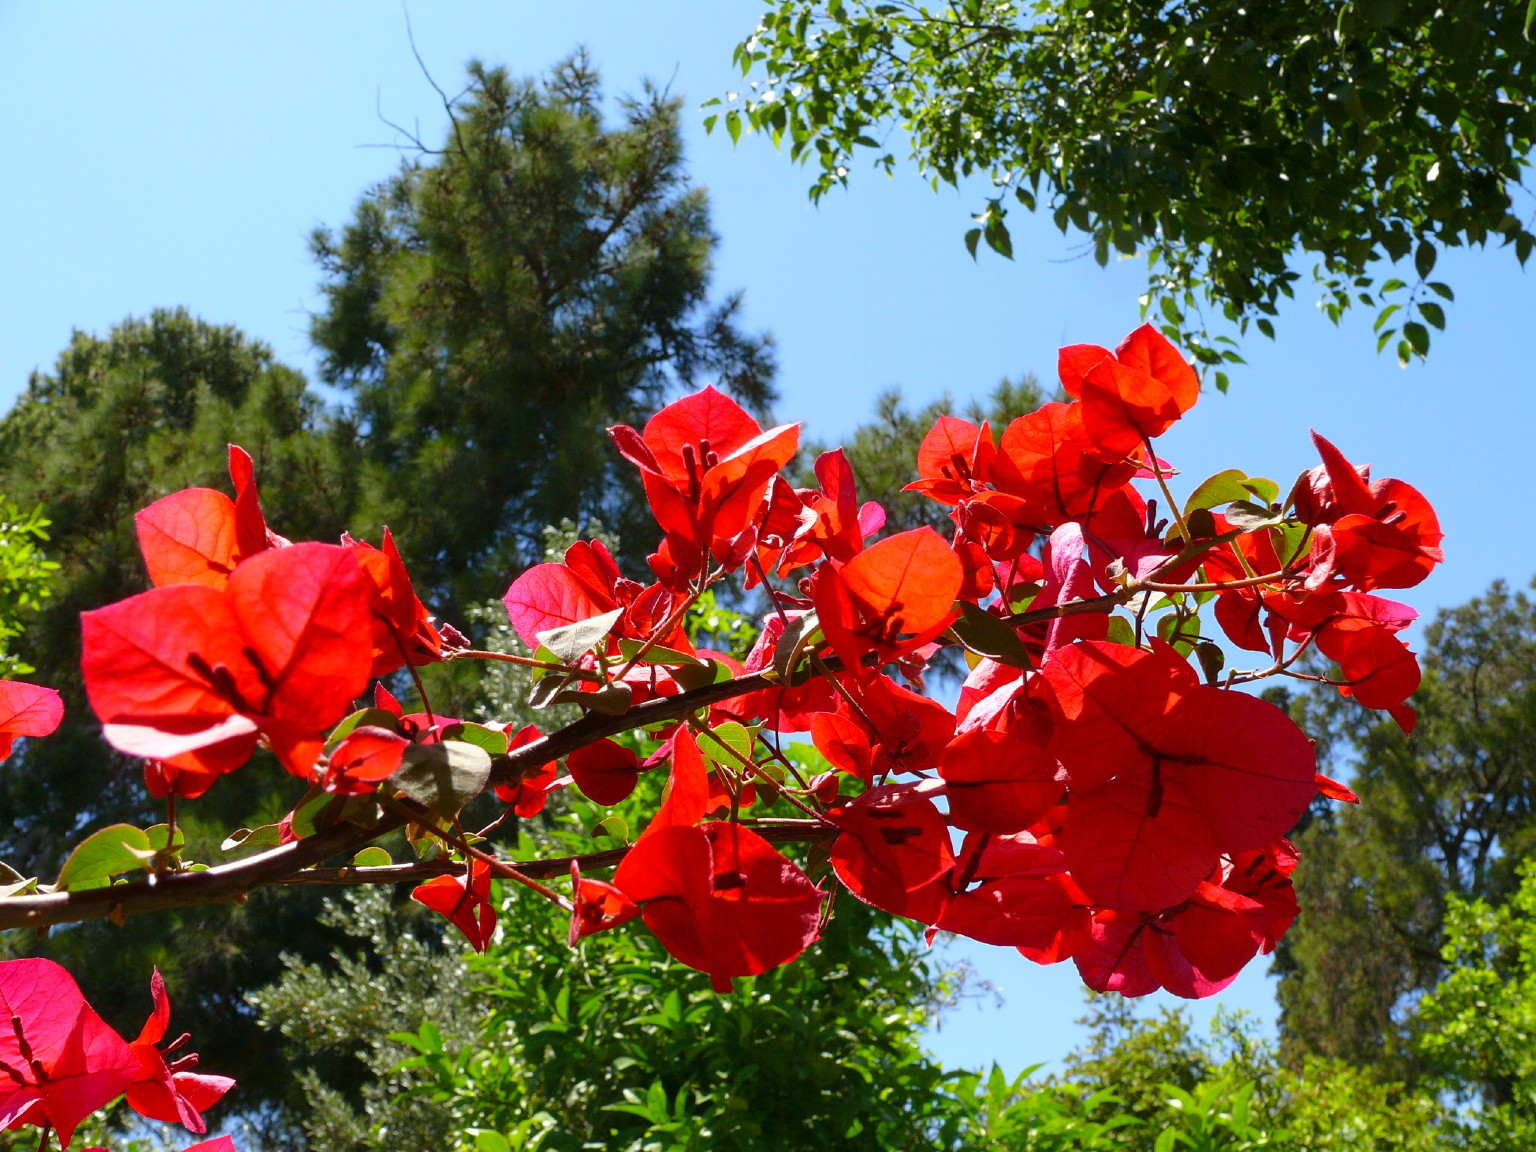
<point>571,642</point>
<point>1433,313</point>
<point>613,828</point>
<point>1222,488</point>
<point>1424,259</point>
<point>26,886</point>
<point>1418,337</point>
<point>690,679</point>
<point>986,635</point>
<point>1121,632</point>
<point>372,857</point>
<point>611,699</point>
<point>101,855</point>
<point>1250,517</point>
<point>443,776</point>
<point>493,740</point>
<point>655,654</point>
<point>731,735</point>
<point>366,717</point>
<point>266,836</point>
<point>315,813</point>
<point>156,834</point>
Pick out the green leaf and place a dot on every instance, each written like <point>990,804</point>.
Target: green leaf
<point>364,718</point>
<point>611,699</point>
<point>156,834</point>
<point>1417,336</point>
<point>1424,259</point>
<point>732,735</point>
<point>613,828</point>
<point>1250,517</point>
<point>493,740</point>
<point>1433,313</point>
<point>703,675</point>
<point>1222,488</point>
<point>101,855</point>
<point>266,836</point>
<point>972,238</point>
<point>25,886</point>
<point>655,654</point>
<point>315,813</point>
<point>570,642</point>
<point>986,635</point>
<point>372,857</point>
<point>1121,632</point>
<point>443,777</point>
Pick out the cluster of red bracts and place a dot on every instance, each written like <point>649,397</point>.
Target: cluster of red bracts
<point>59,1061</point>
<point>1088,798</point>
<point>244,637</point>
<point>1111,808</point>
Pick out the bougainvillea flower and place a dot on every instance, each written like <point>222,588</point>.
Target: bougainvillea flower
<point>199,535</point>
<point>1135,393</point>
<point>706,466</point>
<point>685,798</point>
<point>530,792</point>
<point>596,906</point>
<point>1046,458</point>
<point>27,710</point>
<point>585,584</point>
<point>170,1092</point>
<point>721,899</point>
<point>61,1061</point>
<point>1044,917</point>
<point>894,841</point>
<point>1381,534</point>
<point>782,707</point>
<point>838,524</point>
<point>998,781</point>
<point>1196,948</point>
<point>1069,576</point>
<point>368,755</point>
<point>893,598</point>
<point>467,905</point>
<point>1166,774</point>
<point>954,460</point>
<point>402,627</point>
<point>606,771</point>
<point>191,674</point>
<point>909,733</point>
<point>787,518</point>
<point>1379,670</point>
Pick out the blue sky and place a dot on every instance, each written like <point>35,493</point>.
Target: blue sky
<point>178,153</point>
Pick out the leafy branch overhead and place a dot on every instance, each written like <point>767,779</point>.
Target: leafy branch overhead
<point>1229,143</point>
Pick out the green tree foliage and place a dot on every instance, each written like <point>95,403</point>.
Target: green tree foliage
<point>26,578</point>
<point>1481,1019</point>
<point>1218,138</point>
<point>1447,812</point>
<point>612,1046</point>
<point>497,303</point>
<point>120,421</point>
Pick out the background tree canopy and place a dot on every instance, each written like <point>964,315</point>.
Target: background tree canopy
<point>499,302</point>
<point>1222,139</point>
<point>1446,813</point>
